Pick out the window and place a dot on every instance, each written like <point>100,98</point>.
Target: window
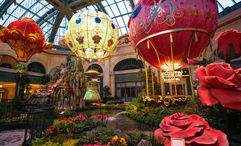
<point>36,67</point>
<point>128,64</point>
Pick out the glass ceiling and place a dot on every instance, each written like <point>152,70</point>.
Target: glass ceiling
<point>45,14</point>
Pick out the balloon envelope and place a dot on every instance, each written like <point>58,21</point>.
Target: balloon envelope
<point>25,38</point>
<point>190,23</point>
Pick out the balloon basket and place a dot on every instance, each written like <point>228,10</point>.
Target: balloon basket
<point>174,90</point>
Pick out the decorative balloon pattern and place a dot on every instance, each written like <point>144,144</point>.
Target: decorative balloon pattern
<point>190,23</point>
<point>92,35</point>
<point>25,38</point>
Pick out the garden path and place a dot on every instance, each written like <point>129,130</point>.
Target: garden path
<point>12,137</point>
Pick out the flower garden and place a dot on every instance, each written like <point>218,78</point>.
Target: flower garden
<point>70,108</point>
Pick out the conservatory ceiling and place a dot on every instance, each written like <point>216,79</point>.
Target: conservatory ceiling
<point>53,15</point>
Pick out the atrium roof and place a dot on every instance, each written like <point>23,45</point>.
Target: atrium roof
<point>53,15</point>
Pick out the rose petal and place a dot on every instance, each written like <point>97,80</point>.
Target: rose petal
<point>189,132</point>
<point>233,78</point>
<point>208,137</point>
<point>238,83</point>
<point>222,138</point>
<point>222,70</point>
<point>159,138</point>
<point>167,128</point>
<point>200,74</point>
<point>181,123</point>
<point>168,142</point>
<point>198,121</point>
<point>218,82</point>
<point>228,98</point>
<point>206,96</point>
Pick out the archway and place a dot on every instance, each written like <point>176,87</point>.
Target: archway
<point>128,85</point>
<point>36,67</point>
<point>128,64</point>
<point>8,62</point>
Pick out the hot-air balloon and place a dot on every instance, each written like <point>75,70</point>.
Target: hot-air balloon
<point>163,32</point>
<point>91,36</point>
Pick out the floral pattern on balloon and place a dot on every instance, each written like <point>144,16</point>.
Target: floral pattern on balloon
<point>219,83</point>
<point>192,128</point>
<point>62,43</point>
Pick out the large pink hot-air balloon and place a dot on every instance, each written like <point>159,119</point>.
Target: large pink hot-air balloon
<point>163,32</point>
<point>171,30</point>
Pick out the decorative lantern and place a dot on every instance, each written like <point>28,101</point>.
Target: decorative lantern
<point>25,38</point>
<point>163,32</point>
<point>92,35</point>
<point>92,93</point>
<point>229,44</point>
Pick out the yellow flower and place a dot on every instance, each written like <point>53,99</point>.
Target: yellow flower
<point>123,141</point>
<point>115,138</point>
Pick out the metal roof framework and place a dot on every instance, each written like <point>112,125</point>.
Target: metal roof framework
<point>52,15</point>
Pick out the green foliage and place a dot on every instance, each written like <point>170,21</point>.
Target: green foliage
<point>57,113</point>
<point>155,116</point>
<point>84,126</point>
<point>106,92</point>
<point>93,107</point>
<point>138,102</point>
<point>69,113</point>
<point>38,141</point>
<point>135,137</point>
<point>24,86</point>
<point>50,143</point>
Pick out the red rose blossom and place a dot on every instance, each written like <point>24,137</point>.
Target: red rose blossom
<point>219,83</point>
<point>193,128</point>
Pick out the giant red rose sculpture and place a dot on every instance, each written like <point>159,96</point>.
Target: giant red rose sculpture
<point>219,83</point>
<point>229,44</point>
<point>192,128</point>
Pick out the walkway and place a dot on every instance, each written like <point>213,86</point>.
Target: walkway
<point>12,137</point>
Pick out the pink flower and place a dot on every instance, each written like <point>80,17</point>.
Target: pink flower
<point>194,129</point>
<point>104,117</point>
<point>219,83</point>
<point>99,116</point>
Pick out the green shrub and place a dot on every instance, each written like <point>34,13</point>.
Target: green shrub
<point>38,141</point>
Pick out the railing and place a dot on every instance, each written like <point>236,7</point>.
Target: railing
<point>35,119</point>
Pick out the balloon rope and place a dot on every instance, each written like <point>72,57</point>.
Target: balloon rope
<point>152,82</point>
<point>142,59</point>
<point>190,76</point>
<point>190,44</point>
<point>173,68</point>
<point>182,83</point>
<point>159,67</point>
<point>147,88</point>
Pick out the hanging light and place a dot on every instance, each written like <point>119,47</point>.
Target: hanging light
<point>92,35</point>
<point>170,77</point>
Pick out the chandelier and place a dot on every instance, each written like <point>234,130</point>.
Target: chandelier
<point>170,77</point>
